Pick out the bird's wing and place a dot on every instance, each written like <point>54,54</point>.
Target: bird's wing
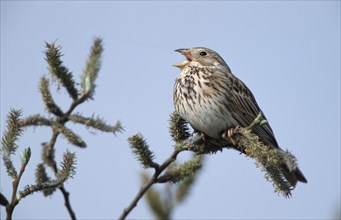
<point>245,109</point>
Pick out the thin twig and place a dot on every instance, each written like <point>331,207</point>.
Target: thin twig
<point>74,104</point>
<point>14,201</point>
<point>51,145</point>
<point>149,183</point>
<point>66,195</point>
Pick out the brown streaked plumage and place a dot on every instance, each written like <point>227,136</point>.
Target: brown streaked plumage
<point>213,100</point>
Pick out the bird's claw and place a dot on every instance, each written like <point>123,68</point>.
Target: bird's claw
<point>203,136</point>
<point>228,135</point>
<point>199,138</point>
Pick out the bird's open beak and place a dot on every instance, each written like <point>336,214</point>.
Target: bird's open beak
<point>182,50</point>
<point>186,53</point>
<point>188,56</point>
<point>182,64</point>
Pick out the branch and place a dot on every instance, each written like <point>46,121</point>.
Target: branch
<point>56,122</point>
<point>277,164</point>
<point>48,158</point>
<point>163,202</point>
<point>269,159</point>
<point>159,202</point>
<point>177,173</point>
<point>61,73</point>
<point>14,200</point>
<point>150,182</point>
<point>67,203</point>
<point>25,157</point>
<point>42,177</point>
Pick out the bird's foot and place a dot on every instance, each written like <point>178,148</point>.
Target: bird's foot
<point>203,136</point>
<point>199,138</point>
<point>228,135</point>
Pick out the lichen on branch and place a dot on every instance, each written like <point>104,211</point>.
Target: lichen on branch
<point>270,160</point>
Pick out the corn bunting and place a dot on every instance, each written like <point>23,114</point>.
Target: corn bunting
<point>212,100</point>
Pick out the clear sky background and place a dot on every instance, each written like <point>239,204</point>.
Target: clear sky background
<point>287,52</point>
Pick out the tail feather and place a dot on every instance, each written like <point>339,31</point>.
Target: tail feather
<point>292,176</point>
<point>290,168</point>
<point>299,175</point>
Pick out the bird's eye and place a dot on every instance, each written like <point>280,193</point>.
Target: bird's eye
<point>203,53</point>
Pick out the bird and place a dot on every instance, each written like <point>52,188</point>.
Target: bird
<point>213,100</point>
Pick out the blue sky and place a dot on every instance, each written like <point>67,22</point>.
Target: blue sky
<point>288,53</point>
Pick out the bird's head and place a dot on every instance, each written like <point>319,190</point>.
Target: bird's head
<point>202,55</point>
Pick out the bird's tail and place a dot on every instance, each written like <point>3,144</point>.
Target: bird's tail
<point>284,172</point>
<point>292,173</point>
<point>299,175</point>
